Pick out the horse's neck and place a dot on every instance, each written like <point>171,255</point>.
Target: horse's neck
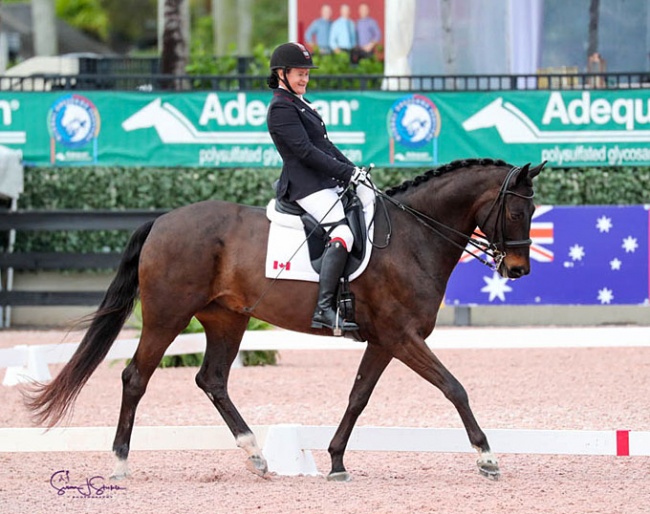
<point>451,199</point>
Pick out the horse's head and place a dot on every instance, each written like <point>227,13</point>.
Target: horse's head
<point>506,220</point>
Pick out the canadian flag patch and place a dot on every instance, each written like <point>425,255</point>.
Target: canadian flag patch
<point>282,265</point>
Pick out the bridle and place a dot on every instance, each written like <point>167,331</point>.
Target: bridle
<point>496,251</point>
<point>499,204</point>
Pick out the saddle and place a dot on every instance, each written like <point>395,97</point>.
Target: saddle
<point>297,240</point>
<point>317,235</point>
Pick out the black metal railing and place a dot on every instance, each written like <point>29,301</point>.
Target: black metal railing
<point>64,220</point>
<point>425,83</point>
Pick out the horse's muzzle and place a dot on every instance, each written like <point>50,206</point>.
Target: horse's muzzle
<point>513,270</point>
<point>517,271</point>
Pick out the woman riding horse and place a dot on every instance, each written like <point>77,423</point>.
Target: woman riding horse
<point>207,260</point>
<point>314,171</point>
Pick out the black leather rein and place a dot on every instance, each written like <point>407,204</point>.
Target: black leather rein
<point>494,250</point>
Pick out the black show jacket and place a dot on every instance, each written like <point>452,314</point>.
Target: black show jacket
<point>311,162</point>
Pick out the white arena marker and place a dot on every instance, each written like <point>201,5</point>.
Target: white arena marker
<point>31,362</point>
<point>101,438</point>
<point>288,447</point>
<point>71,439</point>
<point>639,444</point>
<point>285,453</point>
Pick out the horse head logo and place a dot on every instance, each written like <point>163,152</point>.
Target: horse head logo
<point>77,123</point>
<point>512,125</point>
<point>171,125</point>
<point>417,122</point>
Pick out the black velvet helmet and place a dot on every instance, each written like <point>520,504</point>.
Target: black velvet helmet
<point>291,55</point>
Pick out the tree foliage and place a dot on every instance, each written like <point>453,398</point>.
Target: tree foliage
<point>129,24</point>
<point>87,15</point>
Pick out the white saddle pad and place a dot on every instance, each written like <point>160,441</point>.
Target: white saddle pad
<point>287,255</point>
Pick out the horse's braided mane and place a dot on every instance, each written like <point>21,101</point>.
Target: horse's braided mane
<point>454,165</point>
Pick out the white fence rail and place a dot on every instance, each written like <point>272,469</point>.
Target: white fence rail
<point>287,448</point>
<point>24,362</point>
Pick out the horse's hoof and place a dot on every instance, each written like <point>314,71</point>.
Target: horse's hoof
<point>489,468</point>
<point>119,476</point>
<point>121,471</point>
<point>256,464</point>
<point>339,476</point>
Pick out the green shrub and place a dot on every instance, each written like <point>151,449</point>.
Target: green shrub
<point>147,188</point>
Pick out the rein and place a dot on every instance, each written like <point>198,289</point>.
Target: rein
<point>494,250</point>
<point>497,251</point>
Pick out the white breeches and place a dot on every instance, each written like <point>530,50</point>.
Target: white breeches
<point>319,203</point>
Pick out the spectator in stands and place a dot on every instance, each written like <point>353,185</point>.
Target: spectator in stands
<point>318,32</point>
<point>596,63</point>
<point>343,36</point>
<point>368,32</point>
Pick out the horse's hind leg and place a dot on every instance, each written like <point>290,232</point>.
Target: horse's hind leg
<point>373,364</point>
<point>417,356</point>
<point>224,331</point>
<point>135,378</point>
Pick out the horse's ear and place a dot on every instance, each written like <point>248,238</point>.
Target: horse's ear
<point>523,174</point>
<point>536,170</point>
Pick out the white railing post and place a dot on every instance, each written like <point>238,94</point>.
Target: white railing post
<point>284,453</point>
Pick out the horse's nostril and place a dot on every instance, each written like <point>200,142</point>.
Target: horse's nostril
<point>517,272</point>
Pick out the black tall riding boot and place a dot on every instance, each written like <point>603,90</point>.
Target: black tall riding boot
<point>332,267</point>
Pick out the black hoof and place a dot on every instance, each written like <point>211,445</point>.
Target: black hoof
<point>489,470</point>
<point>339,476</point>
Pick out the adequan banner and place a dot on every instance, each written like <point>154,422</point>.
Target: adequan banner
<point>566,128</point>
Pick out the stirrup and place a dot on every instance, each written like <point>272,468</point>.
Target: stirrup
<point>339,326</point>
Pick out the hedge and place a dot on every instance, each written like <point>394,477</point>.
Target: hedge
<point>146,188</point>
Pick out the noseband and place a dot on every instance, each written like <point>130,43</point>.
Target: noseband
<point>497,251</point>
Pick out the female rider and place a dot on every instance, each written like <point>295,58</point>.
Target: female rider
<point>314,171</point>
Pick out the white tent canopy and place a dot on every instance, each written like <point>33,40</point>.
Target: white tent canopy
<point>445,37</point>
<point>11,173</point>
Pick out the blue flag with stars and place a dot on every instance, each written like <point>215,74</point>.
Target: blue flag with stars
<point>580,255</point>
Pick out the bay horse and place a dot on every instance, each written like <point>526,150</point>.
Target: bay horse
<point>207,260</point>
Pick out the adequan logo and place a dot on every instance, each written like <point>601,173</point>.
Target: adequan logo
<point>173,127</point>
<point>515,127</point>
<point>7,108</point>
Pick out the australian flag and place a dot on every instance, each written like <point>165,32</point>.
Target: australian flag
<point>582,255</point>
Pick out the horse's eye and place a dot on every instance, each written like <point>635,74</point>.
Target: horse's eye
<point>516,216</point>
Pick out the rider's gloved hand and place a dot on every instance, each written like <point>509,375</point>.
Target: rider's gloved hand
<point>359,176</point>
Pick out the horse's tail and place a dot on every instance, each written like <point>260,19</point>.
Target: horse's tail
<point>51,402</point>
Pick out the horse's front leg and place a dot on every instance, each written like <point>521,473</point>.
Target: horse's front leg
<point>417,356</point>
<point>374,362</point>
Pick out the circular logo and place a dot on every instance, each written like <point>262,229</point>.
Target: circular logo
<point>414,121</point>
<point>74,121</point>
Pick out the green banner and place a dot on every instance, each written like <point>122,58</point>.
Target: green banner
<point>566,128</point>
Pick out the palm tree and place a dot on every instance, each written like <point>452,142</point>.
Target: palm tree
<point>594,11</point>
<point>174,53</point>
